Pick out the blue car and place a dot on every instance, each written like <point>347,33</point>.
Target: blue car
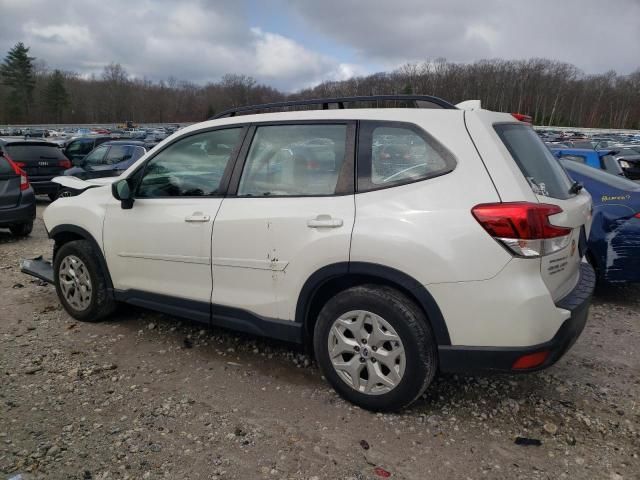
<point>600,159</point>
<point>614,241</point>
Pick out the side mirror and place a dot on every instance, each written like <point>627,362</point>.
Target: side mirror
<point>122,191</point>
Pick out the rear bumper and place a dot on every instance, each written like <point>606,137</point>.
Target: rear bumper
<point>44,186</point>
<point>23,213</point>
<point>463,359</point>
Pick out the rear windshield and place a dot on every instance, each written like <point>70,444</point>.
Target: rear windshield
<point>25,153</point>
<point>609,179</point>
<point>536,162</point>
<point>5,168</point>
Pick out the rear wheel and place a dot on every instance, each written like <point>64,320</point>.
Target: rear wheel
<point>81,282</point>
<point>375,347</point>
<point>22,229</point>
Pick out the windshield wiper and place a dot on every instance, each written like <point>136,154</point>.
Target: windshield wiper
<point>575,188</point>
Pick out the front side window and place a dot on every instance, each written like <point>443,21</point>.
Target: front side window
<point>96,157</point>
<point>392,154</point>
<point>294,160</point>
<point>191,167</point>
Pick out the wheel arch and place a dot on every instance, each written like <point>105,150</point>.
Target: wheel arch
<point>66,233</point>
<point>331,279</point>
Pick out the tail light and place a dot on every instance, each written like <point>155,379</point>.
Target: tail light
<point>637,215</point>
<point>65,163</point>
<point>522,227</point>
<point>521,117</point>
<point>24,180</point>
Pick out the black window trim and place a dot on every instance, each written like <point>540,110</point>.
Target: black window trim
<point>135,177</point>
<point>364,156</point>
<point>345,184</point>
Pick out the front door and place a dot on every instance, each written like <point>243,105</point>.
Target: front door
<point>293,214</point>
<point>161,248</point>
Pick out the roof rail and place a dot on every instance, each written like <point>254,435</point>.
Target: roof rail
<point>434,102</point>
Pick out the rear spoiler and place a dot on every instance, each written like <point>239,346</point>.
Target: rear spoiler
<point>472,105</point>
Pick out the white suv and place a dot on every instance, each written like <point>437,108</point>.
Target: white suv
<point>395,241</point>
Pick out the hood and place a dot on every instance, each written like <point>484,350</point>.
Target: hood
<point>80,185</point>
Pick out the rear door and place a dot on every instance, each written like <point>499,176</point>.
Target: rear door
<point>551,185</point>
<point>9,185</point>
<point>290,212</point>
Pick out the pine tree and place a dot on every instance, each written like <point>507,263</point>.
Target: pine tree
<point>17,73</point>
<point>56,97</point>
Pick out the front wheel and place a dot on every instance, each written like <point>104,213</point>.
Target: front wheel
<point>81,283</point>
<point>375,347</point>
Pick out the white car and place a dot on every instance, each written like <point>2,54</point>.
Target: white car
<point>397,242</point>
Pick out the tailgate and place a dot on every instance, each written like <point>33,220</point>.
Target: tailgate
<point>38,160</point>
<point>550,184</point>
<point>9,190</point>
<point>9,185</point>
<point>560,270</point>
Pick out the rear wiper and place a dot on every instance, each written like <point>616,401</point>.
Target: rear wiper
<point>575,188</point>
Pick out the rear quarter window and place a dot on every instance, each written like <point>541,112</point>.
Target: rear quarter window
<point>397,153</point>
<point>536,162</point>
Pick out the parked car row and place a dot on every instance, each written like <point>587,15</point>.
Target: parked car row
<point>618,154</point>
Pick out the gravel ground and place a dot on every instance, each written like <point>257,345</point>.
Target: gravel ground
<point>144,395</point>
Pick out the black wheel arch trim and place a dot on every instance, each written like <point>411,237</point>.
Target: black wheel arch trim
<point>74,229</point>
<point>387,274</point>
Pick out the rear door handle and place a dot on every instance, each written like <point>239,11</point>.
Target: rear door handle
<point>324,221</point>
<point>197,217</point>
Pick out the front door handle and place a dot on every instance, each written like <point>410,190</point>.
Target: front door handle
<point>325,221</point>
<point>197,217</point>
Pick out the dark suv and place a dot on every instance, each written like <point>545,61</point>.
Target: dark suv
<point>40,160</point>
<point>17,201</point>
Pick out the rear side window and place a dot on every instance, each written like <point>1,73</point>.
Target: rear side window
<point>25,153</point>
<point>392,153</point>
<point>5,168</point>
<point>80,147</point>
<point>541,169</point>
<point>294,160</point>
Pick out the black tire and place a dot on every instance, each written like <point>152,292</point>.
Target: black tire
<point>410,324</point>
<point>102,302</point>
<point>21,229</point>
<point>65,192</point>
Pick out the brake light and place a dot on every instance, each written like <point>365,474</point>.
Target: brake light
<point>523,227</point>
<point>637,215</point>
<point>24,180</point>
<point>65,163</point>
<point>521,117</point>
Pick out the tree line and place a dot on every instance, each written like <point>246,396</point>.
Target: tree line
<point>551,92</point>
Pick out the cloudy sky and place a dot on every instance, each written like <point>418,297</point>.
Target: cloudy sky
<point>292,44</point>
